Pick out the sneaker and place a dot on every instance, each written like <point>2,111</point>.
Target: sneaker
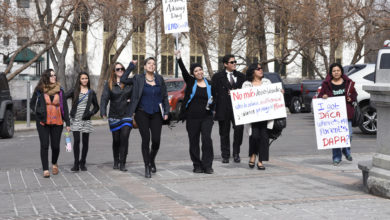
<point>349,157</point>
<point>336,162</point>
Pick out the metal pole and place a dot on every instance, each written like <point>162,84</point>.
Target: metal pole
<point>28,102</point>
<point>176,63</point>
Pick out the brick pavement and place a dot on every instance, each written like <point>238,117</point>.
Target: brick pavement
<point>297,187</point>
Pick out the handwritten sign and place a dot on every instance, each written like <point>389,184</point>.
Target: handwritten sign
<point>259,103</point>
<point>331,122</point>
<point>175,16</point>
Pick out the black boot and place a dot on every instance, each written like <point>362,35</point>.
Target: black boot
<point>153,154</point>
<point>123,167</point>
<point>147,172</point>
<point>75,167</point>
<point>116,165</point>
<point>82,166</point>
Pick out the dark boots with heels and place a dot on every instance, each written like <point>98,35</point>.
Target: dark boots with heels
<point>148,171</point>
<point>153,154</point>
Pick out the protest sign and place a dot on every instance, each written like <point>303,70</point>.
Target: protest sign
<point>331,123</point>
<point>175,16</point>
<point>258,103</point>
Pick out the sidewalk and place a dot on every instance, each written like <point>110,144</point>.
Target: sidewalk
<point>297,187</point>
<point>23,127</point>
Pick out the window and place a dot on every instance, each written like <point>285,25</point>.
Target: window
<point>6,41</point>
<point>167,65</point>
<point>385,61</point>
<point>23,3</point>
<point>220,63</point>
<point>140,64</point>
<point>196,59</point>
<point>82,21</point>
<point>370,77</point>
<point>22,40</point>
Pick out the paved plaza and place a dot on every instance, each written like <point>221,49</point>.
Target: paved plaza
<point>305,187</point>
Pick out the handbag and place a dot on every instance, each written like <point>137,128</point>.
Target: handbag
<point>358,117</point>
<point>276,131</point>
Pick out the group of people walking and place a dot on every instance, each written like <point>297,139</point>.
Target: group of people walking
<point>142,101</point>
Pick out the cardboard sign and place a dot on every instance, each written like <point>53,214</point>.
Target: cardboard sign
<point>258,103</point>
<point>331,123</point>
<point>175,16</point>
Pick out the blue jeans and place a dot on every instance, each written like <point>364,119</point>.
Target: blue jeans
<point>347,150</point>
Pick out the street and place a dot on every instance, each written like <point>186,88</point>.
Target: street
<point>300,182</point>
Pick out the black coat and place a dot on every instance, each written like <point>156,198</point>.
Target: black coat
<point>138,83</point>
<point>190,81</point>
<point>119,101</point>
<point>220,89</point>
<point>38,106</point>
<point>91,100</point>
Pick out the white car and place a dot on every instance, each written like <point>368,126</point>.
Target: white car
<point>364,74</point>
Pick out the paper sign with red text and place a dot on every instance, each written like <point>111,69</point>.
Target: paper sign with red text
<point>258,103</point>
<point>331,123</point>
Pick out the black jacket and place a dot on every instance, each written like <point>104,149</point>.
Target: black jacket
<point>220,90</point>
<point>91,100</point>
<point>138,83</point>
<point>38,106</point>
<point>190,81</point>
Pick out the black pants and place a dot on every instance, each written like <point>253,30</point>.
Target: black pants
<point>259,141</point>
<point>49,134</point>
<point>120,143</point>
<point>224,133</point>
<point>150,128</point>
<point>76,147</point>
<point>195,128</point>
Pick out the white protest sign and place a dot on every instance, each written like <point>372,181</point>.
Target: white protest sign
<point>331,123</point>
<point>258,103</point>
<point>175,16</point>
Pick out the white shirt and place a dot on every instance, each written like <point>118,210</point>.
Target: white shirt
<point>228,76</point>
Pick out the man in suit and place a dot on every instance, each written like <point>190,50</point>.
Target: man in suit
<point>222,83</point>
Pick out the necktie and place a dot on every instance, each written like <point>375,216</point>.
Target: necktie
<point>231,80</point>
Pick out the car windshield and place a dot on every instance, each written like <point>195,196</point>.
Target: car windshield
<point>174,85</point>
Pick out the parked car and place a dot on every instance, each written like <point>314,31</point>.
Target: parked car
<point>364,74</point>
<point>6,109</point>
<point>175,89</point>
<point>308,90</point>
<point>293,98</point>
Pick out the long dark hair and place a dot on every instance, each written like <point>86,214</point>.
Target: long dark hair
<point>77,86</point>
<point>251,69</point>
<point>44,80</point>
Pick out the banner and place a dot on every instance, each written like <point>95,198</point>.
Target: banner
<point>258,103</point>
<point>175,16</point>
<point>331,123</point>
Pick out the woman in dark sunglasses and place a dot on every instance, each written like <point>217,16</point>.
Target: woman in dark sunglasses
<point>119,119</point>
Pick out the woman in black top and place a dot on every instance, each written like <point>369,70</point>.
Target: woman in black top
<point>82,98</point>
<point>119,118</point>
<point>196,110</point>
<point>150,104</point>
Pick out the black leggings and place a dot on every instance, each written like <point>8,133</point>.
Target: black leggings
<point>259,141</point>
<point>76,147</point>
<point>149,124</point>
<point>49,134</point>
<point>120,143</point>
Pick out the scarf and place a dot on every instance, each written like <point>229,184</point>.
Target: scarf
<point>52,89</point>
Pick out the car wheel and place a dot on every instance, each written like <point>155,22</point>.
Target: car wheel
<point>177,110</point>
<point>296,105</point>
<point>7,126</point>
<point>369,125</point>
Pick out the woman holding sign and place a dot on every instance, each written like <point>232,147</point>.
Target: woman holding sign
<point>258,134</point>
<point>149,103</point>
<point>338,84</point>
<point>82,98</point>
<point>196,110</point>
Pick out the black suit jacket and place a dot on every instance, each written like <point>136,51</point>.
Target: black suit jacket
<point>220,90</point>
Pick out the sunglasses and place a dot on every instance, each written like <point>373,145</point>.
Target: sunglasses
<point>119,69</point>
<point>232,62</point>
<point>259,68</point>
<point>53,75</point>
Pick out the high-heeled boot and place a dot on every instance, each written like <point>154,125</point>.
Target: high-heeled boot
<point>147,172</point>
<point>153,154</point>
<point>116,164</point>
<point>75,166</point>
<point>122,166</point>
